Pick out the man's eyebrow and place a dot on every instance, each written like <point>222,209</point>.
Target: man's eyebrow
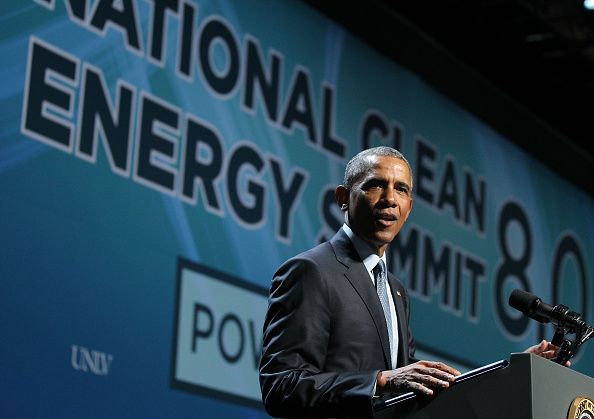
<point>375,179</point>
<point>403,185</point>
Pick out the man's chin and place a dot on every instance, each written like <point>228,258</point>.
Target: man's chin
<point>382,239</point>
<point>386,235</point>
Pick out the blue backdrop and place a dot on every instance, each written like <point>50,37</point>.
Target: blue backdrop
<point>159,160</point>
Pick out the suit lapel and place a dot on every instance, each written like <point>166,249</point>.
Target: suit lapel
<point>357,275</point>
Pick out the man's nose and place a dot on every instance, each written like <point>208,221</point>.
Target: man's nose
<point>390,196</point>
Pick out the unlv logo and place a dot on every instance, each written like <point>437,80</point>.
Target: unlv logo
<point>86,360</point>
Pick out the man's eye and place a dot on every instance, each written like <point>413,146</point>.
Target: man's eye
<point>403,191</point>
<point>374,185</point>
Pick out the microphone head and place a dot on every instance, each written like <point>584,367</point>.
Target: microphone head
<point>523,301</point>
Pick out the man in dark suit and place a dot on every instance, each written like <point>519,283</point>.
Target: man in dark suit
<point>336,334</point>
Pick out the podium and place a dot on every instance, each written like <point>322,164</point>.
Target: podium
<point>529,387</point>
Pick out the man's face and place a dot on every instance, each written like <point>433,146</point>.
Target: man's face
<point>379,201</point>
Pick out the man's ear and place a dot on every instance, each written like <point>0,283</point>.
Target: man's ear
<point>410,206</point>
<point>341,194</point>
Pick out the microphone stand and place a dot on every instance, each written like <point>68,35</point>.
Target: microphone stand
<point>568,348</point>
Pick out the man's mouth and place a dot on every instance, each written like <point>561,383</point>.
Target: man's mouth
<point>386,218</point>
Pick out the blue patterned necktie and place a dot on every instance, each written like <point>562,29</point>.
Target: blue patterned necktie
<point>380,285</point>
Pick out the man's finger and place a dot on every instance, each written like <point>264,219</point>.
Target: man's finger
<point>420,388</point>
<point>443,367</point>
<point>443,375</point>
<point>432,381</point>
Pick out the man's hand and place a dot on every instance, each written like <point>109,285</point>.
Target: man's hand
<point>546,350</point>
<point>420,377</point>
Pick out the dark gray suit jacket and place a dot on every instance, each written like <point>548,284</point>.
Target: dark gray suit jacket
<point>325,335</point>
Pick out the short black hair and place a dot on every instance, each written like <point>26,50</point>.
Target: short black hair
<point>359,164</point>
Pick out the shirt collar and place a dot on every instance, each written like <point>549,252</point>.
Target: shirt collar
<point>365,251</point>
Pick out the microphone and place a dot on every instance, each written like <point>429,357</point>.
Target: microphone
<point>536,309</point>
